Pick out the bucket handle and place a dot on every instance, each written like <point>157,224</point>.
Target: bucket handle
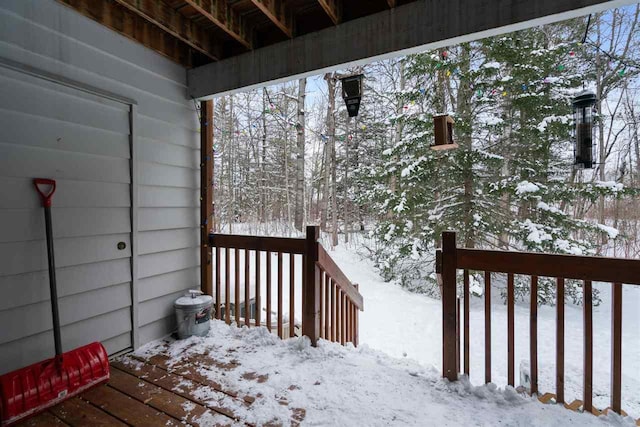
<point>195,293</point>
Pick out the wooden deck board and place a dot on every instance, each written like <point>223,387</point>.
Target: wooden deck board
<point>78,412</point>
<point>187,370</point>
<point>127,409</point>
<point>215,400</point>
<point>155,390</point>
<point>42,420</point>
<point>165,401</point>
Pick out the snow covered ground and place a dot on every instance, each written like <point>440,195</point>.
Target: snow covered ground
<point>406,325</point>
<point>347,386</point>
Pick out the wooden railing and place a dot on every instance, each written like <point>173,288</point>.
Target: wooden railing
<point>616,271</point>
<point>328,302</point>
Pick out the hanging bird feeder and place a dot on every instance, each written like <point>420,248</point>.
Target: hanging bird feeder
<point>443,130</point>
<point>352,93</point>
<point>583,114</point>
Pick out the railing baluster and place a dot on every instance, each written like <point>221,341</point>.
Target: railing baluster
<point>349,319</point>
<point>466,321</point>
<point>280,334</point>
<point>458,334</point>
<point>322,304</point>
<point>338,315</point>
<point>588,346</point>
<point>237,285</point>
<point>247,293</point>
<point>356,311</point>
<point>292,295</point>
<point>268,314</point>
<point>227,286</point>
<point>218,267</point>
<point>333,310</point>
<point>616,347</point>
<point>533,335</point>
<point>487,326</point>
<point>327,307</point>
<point>511,351</point>
<point>343,320</point>
<point>258,274</point>
<point>560,341</point>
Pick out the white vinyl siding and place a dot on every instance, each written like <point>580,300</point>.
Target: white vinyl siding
<point>82,140</point>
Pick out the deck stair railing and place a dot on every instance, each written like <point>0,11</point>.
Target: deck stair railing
<point>617,271</point>
<point>329,303</point>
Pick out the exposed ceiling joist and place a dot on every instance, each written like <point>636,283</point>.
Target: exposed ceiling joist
<point>175,24</point>
<point>332,8</point>
<point>278,12</point>
<point>135,27</point>
<point>224,17</point>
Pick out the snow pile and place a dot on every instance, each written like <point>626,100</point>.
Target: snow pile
<point>610,185</point>
<point>612,232</point>
<point>349,386</point>
<point>526,187</point>
<point>545,207</point>
<point>536,232</point>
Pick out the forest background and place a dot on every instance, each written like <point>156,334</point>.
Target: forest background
<point>288,155</point>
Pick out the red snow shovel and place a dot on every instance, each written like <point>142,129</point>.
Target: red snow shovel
<point>32,389</point>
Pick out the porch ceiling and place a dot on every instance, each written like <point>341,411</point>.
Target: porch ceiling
<point>230,45</point>
<point>197,32</point>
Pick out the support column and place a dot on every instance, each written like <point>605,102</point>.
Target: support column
<point>206,195</point>
<point>311,283</point>
<point>449,318</point>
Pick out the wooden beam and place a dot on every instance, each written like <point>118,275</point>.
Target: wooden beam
<point>224,17</point>
<point>278,12</point>
<point>392,3</point>
<point>134,27</point>
<point>333,9</point>
<point>182,28</point>
<point>410,28</point>
<point>206,196</point>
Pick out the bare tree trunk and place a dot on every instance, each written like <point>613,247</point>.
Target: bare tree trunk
<point>465,138</point>
<point>300,127</point>
<point>329,162</point>
<point>263,157</point>
<point>231,157</point>
<point>346,182</point>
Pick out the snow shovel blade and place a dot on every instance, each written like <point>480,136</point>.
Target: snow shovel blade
<point>33,389</point>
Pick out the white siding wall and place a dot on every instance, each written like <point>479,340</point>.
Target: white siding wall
<point>49,36</point>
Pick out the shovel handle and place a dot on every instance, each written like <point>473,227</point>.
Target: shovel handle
<point>46,197</point>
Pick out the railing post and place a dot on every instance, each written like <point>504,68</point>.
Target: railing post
<point>449,318</point>
<point>312,292</point>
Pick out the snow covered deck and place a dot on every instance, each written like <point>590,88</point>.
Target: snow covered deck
<point>248,376</point>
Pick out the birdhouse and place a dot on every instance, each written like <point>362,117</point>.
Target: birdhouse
<point>583,109</point>
<point>443,130</point>
<point>352,93</point>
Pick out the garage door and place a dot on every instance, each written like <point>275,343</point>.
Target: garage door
<point>82,141</point>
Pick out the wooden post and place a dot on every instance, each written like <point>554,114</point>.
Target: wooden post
<point>616,347</point>
<point>206,196</point>
<point>449,327</point>
<point>560,340</point>
<point>311,303</point>
<point>587,305</point>
<point>533,335</point>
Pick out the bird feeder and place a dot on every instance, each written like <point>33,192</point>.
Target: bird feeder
<point>583,109</point>
<point>352,93</point>
<point>443,130</point>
